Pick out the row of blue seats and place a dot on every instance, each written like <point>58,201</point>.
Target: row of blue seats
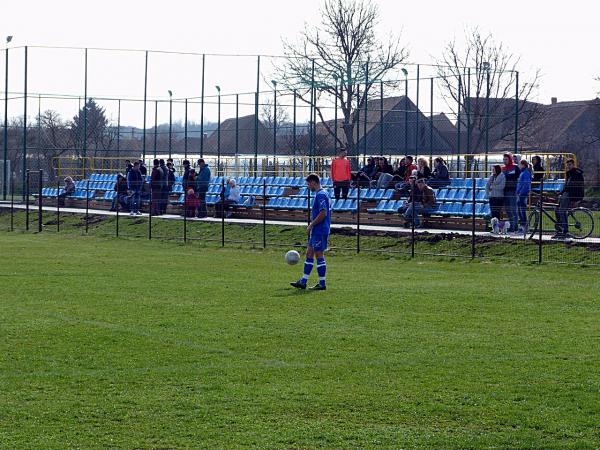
<point>460,195</point>
<point>373,194</point>
<point>444,209</point>
<point>299,203</point>
<point>247,201</point>
<point>480,183</point>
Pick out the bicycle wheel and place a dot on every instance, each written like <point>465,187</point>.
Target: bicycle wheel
<point>581,223</point>
<point>533,222</point>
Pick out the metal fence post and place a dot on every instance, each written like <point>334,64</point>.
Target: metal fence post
<point>474,189</point>
<point>223,212</point>
<point>153,201</point>
<point>541,224</point>
<point>12,203</point>
<point>185,214</point>
<point>40,214</point>
<point>87,205</point>
<point>117,219</point>
<point>264,214</point>
<point>27,200</point>
<point>58,205</point>
<point>412,226</point>
<point>358,219</point>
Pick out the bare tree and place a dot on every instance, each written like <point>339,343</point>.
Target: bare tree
<point>267,114</point>
<point>467,89</point>
<point>343,57</point>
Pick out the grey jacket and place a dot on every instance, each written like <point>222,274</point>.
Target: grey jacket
<point>495,186</point>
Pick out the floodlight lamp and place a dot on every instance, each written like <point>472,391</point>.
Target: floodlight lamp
<point>405,72</point>
<point>170,93</point>
<point>485,65</point>
<point>8,39</point>
<point>218,88</point>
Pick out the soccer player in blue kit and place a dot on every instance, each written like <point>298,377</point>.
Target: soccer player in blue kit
<point>318,234</point>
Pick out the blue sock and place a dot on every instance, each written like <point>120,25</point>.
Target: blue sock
<point>321,270</point>
<point>308,266</point>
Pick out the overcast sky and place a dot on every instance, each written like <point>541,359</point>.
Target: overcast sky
<point>560,38</point>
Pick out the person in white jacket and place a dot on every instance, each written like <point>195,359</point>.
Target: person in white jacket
<point>495,192</point>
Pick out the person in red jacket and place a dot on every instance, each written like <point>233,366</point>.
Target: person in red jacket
<point>341,176</point>
<point>192,203</point>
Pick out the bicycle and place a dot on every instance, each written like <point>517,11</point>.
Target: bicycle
<point>579,219</point>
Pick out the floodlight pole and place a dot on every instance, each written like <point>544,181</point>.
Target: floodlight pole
<point>487,116</point>
<point>274,119</point>
<point>170,123</point>
<point>366,112</point>
<point>185,130</point>
<point>256,100</point>
<point>237,124</point>
<point>25,121</point>
<point>405,112</point>
<point>155,126</point>
<point>4,167</point>
<point>85,93</point>
<point>145,102</point>
<point>431,122</point>
<point>335,116</point>
<point>458,126</point>
<point>119,127</point>
<point>381,118</point>
<point>202,109</point>
<point>218,128</point>
<point>516,112</point>
<point>417,134</point>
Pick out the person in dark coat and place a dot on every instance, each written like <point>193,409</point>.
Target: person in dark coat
<point>570,196</point>
<point>440,176</point>
<point>202,183</point>
<point>156,183</point>
<point>134,184</point>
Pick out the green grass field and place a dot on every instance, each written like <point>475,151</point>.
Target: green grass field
<point>122,343</point>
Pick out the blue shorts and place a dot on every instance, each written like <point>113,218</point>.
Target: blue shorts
<point>318,241</point>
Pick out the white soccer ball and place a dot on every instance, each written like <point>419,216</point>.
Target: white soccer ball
<point>292,257</point>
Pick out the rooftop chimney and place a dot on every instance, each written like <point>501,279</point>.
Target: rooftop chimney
<point>553,100</point>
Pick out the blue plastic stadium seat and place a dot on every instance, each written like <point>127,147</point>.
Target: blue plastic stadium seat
<point>468,183</point>
<point>481,196</point>
<point>467,209</point>
<point>441,194</point>
<point>481,182</point>
<point>460,195</point>
<point>443,209</point>
<point>457,182</point>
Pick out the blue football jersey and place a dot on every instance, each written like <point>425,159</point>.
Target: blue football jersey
<point>322,203</point>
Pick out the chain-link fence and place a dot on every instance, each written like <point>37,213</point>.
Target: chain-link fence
<point>467,218</point>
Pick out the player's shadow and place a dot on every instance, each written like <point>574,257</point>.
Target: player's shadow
<point>292,292</point>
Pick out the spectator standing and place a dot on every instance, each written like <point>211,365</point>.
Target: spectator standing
<point>495,191</point>
<point>128,166</point>
<point>570,196</point>
<point>134,184</point>
<point>523,188</point>
<point>164,189</point>
<point>143,169</point>
<point>511,175</point>
<point>156,183</point>
<point>170,184</point>
<point>425,203</point>
<point>202,183</point>
<point>538,171</point>
<point>440,176</point>
<point>341,175</point>
<point>186,174</point>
